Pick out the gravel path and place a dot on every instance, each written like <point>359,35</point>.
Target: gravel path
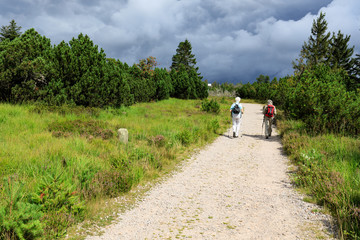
<point>232,189</point>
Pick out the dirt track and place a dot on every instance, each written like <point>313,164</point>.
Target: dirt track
<point>232,189</point>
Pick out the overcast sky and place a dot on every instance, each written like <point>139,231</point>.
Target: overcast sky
<point>233,40</point>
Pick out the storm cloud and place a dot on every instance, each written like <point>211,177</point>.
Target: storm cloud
<point>233,41</point>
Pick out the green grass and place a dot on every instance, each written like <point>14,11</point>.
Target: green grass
<point>329,170</point>
<point>69,158</point>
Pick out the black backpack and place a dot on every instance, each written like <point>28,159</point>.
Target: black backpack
<point>236,109</point>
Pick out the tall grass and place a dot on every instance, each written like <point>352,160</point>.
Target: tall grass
<point>65,157</point>
<point>329,168</point>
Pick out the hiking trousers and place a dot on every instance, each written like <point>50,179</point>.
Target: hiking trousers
<point>236,126</point>
<point>268,126</point>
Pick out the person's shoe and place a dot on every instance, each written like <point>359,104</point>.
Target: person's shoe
<point>267,137</point>
<point>234,134</point>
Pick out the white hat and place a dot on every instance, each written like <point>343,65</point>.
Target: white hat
<point>237,99</point>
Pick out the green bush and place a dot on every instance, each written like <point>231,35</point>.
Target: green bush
<point>187,84</point>
<point>162,80</point>
<point>140,154</point>
<point>25,67</point>
<point>78,73</point>
<point>185,137</point>
<point>158,141</point>
<point>213,125</point>
<point>60,202</point>
<point>137,82</point>
<point>87,129</point>
<point>19,219</point>
<point>319,97</point>
<point>111,182</point>
<point>210,106</point>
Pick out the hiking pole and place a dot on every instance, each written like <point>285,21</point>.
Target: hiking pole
<point>229,129</point>
<point>230,125</point>
<point>241,127</point>
<point>262,128</point>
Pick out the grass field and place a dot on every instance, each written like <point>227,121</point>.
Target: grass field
<point>62,166</point>
<point>328,170</point>
<point>58,164</point>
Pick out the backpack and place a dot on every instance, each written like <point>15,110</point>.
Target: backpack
<point>236,109</point>
<point>270,111</point>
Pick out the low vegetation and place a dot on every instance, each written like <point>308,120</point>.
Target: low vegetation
<point>328,169</point>
<point>55,162</point>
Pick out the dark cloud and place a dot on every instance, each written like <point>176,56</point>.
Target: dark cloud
<point>233,41</point>
<point>16,7</point>
<point>295,10</point>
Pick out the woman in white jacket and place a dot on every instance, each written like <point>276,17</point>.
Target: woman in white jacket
<point>236,110</point>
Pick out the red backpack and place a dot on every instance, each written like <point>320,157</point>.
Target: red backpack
<point>270,111</point>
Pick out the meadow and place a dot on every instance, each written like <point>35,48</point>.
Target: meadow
<point>327,171</point>
<point>58,164</point>
<point>63,166</point>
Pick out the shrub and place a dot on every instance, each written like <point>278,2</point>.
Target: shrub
<point>60,202</point>
<point>19,219</point>
<point>185,137</point>
<point>111,182</point>
<point>158,141</point>
<point>210,106</point>
<point>213,125</point>
<point>87,129</point>
<point>140,154</point>
<point>25,67</point>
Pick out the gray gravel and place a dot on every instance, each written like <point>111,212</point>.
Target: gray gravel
<point>232,189</point>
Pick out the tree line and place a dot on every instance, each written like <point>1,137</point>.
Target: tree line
<point>79,73</point>
<point>324,90</point>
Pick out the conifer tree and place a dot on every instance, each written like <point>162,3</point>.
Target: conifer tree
<point>341,54</point>
<point>185,76</point>
<point>10,32</point>
<point>355,73</point>
<point>263,79</point>
<point>184,56</point>
<point>356,66</point>
<point>316,50</point>
<point>24,67</point>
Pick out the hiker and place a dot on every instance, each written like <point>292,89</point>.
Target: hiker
<point>236,110</point>
<point>269,112</point>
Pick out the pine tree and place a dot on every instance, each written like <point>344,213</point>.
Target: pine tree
<point>186,79</point>
<point>10,32</point>
<point>341,54</point>
<point>263,79</point>
<point>355,73</point>
<point>316,50</point>
<point>184,56</point>
<point>356,65</point>
<point>25,67</point>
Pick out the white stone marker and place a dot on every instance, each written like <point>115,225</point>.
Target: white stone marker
<point>123,135</point>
